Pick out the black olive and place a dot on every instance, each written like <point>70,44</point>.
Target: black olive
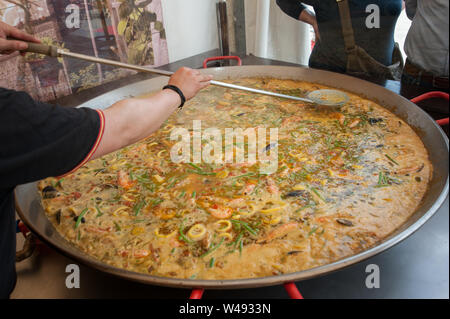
<point>270,146</point>
<point>418,179</point>
<point>379,146</point>
<point>240,114</point>
<point>344,222</point>
<point>374,121</point>
<point>49,192</point>
<point>82,219</point>
<point>294,252</point>
<point>295,194</point>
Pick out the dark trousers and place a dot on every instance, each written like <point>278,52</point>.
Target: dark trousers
<point>413,85</point>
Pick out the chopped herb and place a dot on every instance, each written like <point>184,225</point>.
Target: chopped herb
<point>213,248</point>
<point>305,207</point>
<point>137,208</point>
<point>58,183</point>
<point>246,226</point>
<point>317,193</point>
<point>99,212</point>
<point>384,180</point>
<point>80,217</point>
<point>157,201</point>
<point>201,173</point>
<point>245,175</point>
<point>391,159</point>
<point>211,262</point>
<point>241,246</point>
<point>313,231</point>
<point>182,235</point>
<point>117,226</point>
<point>198,168</point>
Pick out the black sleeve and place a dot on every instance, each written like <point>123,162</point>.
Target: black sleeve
<point>292,8</point>
<point>39,140</point>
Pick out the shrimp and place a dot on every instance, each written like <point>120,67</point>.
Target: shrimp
<point>339,116</point>
<point>248,189</point>
<point>291,119</point>
<point>98,230</point>
<point>410,169</point>
<point>236,202</point>
<point>124,179</point>
<point>141,253</point>
<point>280,231</point>
<point>220,211</point>
<point>354,123</point>
<point>272,186</point>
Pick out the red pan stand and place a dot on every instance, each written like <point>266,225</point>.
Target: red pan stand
<point>290,287</point>
<point>433,95</point>
<point>220,58</point>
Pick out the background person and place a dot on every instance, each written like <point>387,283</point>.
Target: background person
<point>426,68</point>
<point>329,51</point>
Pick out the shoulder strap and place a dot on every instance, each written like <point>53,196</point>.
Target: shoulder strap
<point>346,23</point>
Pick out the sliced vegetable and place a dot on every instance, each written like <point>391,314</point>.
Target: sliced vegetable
<point>197,232</point>
<point>223,225</point>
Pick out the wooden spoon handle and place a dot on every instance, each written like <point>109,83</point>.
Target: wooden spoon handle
<point>39,48</point>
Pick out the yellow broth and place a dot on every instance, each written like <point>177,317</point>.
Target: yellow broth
<point>346,179</point>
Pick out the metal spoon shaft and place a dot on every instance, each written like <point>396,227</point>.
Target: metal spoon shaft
<point>168,73</point>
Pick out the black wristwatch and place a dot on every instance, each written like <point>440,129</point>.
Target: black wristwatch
<point>180,93</point>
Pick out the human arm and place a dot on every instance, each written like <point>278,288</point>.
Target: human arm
<point>309,17</point>
<point>131,120</point>
<point>40,140</point>
<point>299,11</point>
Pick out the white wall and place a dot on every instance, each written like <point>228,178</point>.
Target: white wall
<point>191,27</point>
<point>289,39</point>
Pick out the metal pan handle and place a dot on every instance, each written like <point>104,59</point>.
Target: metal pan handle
<point>220,58</point>
<point>433,95</point>
<point>430,95</point>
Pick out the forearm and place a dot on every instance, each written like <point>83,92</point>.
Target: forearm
<point>308,17</point>
<point>291,8</point>
<point>131,120</point>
